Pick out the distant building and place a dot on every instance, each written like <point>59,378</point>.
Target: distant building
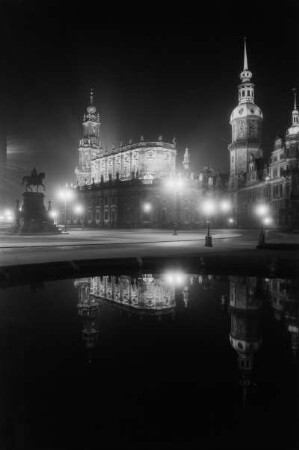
<point>254,180</point>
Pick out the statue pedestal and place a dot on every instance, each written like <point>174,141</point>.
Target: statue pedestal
<point>33,217</point>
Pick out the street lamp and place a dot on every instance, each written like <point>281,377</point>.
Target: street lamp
<point>8,215</point>
<point>262,210</point>
<point>54,214</point>
<point>176,184</point>
<point>65,194</point>
<point>208,207</point>
<point>79,210</point>
<point>147,207</point>
<point>225,206</point>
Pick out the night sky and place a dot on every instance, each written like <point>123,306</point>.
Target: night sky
<point>155,70</point>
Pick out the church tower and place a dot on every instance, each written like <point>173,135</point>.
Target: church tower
<point>246,121</point>
<point>90,145</point>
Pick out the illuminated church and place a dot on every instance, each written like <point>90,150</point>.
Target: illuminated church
<point>126,186</point>
<point>143,160</point>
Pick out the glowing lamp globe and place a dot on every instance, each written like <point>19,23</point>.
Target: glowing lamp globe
<point>53,214</point>
<point>262,210</point>
<point>209,207</point>
<point>78,209</point>
<point>147,207</point>
<point>225,205</point>
<point>267,220</point>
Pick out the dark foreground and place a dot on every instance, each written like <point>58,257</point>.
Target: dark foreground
<point>173,357</point>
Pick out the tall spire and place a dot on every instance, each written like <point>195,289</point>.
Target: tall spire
<point>295,112</point>
<point>295,97</point>
<point>245,74</point>
<point>245,66</point>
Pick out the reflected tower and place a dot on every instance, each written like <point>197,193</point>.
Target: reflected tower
<point>245,335</point>
<point>88,308</point>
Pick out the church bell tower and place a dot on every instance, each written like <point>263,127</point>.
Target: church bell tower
<point>246,122</point>
<point>90,145</point>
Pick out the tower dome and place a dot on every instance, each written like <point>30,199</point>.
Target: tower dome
<point>91,109</point>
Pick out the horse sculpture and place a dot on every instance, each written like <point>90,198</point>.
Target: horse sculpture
<point>35,179</point>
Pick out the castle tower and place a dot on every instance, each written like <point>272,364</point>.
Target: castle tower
<point>89,146</point>
<point>186,160</point>
<point>292,134</point>
<point>88,308</point>
<point>245,334</point>
<point>246,121</point>
<point>295,113</point>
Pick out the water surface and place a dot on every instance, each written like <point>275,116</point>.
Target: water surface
<point>149,360</point>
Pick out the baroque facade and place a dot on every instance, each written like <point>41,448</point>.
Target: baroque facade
<point>126,186</point>
<point>142,160</point>
<point>253,179</point>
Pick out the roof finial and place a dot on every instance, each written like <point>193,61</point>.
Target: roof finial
<point>245,67</point>
<point>91,96</point>
<point>295,97</point>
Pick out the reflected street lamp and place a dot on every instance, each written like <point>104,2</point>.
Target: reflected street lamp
<point>176,184</point>
<point>65,194</point>
<point>209,208</point>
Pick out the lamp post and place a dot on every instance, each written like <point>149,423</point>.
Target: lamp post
<point>225,207</point>
<point>176,184</point>
<point>79,210</point>
<point>65,194</point>
<point>53,214</point>
<point>262,210</point>
<point>146,207</point>
<point>208,208</point>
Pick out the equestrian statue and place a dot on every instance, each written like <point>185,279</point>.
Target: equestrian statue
<point>35,179</point>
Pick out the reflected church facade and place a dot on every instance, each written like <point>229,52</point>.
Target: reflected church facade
<point>163,295</point>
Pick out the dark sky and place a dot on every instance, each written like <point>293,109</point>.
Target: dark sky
<point>156,69</point>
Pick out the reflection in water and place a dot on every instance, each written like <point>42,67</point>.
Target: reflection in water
<point>219,339</point>
<point>245,302</point>
<point>157,295</point>
<point>88,309</point>
<point>283,294</point>
<point>144,294</point>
